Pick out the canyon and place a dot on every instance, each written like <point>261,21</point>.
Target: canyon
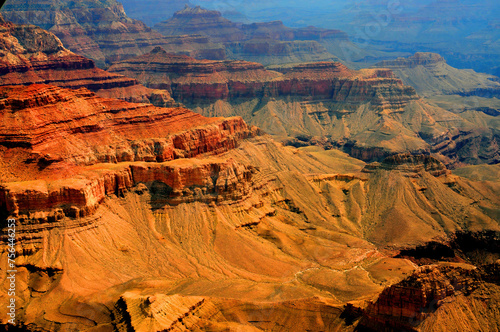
<point>101,31</point>
<point>189,188</point>
<point>33,55</point>
<point>429,74</point>
<point>271,228</point>
<point>266,42</point>
<point>369,113</point>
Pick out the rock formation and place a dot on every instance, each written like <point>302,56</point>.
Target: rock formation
<point>436,295</point>
<point>99,30</point>
<point>33,55</point>
<point>195,21</point>
<point>196,46</point>
<point>31,113</point>
<point>130,216</point>
<point>463,92</point>
<point>429,74</point>
<point>324,99</point>
<point>211,23</point>
<point>266,43</point>
<point>152,11</point>
<point>190,80</point>
<point>181,221</point>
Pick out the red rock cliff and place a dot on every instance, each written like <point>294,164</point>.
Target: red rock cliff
<point>50,137</point>
<point>189,79</point>
<point>80,127</point>
<point>97,29</point>
<point>32,55</point>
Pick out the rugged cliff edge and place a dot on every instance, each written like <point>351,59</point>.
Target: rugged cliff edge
<point>191,80</point>
<point>429,74</point>
<point>32,55</point>
<point>98,29</point>
<point>32,118</point>
<point>55,128</point>
<point>266,42</point>
<point>437,295</point>
<point>369,113</point>
<point>165,219</point>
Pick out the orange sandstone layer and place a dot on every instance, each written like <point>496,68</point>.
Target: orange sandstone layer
<point>79,127</point>
<point>180,181</point>
<point>32,55</point>
<point>49,135</point>
<point>191,80</point>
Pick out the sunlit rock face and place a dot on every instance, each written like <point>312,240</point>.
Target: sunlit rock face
<point>132,217</point>
<point>32,55</point>
<point>99,30</point>
<point>203,216</point>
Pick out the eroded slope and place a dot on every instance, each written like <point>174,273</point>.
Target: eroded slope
<point>131,216</point>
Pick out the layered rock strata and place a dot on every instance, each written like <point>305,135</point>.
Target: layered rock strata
<point>368,113</point>
<point>32,55</point>
<point>59,128</point>
<point>99,30</point>
<point>428,295</point>
<point>429,74</point>
<point>267,42</point>
<point>189,80</point>
<point>43,201</point>
<point>107,130</point>
<point>198,20</point>
<point>410,164</point>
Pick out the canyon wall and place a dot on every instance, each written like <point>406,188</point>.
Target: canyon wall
<point>33,55</point>
<point>100,30</point>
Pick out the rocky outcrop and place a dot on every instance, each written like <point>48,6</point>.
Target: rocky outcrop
<point>171,183</point>
<point>99,30</point>
<point>107,130</point>
<point>162,312</point>
<point>190,80</point>
<point>210,23</point>
<point>407,305</point>
<point>266,43</point>
<point>287,232</point>
<point>195,46</point>
<point>32,55</point>
<point>200,21</point>
<point>321,99</point>
<point>429,74</point>
<point>418,59</point>
<point>410,164</point>
<point>272,52</point>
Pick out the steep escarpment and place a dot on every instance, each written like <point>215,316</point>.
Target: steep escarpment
<point>368,113</point>
<point>195,46</point>
<point>429,74</point>
<point>99,30</point>
<point>198,221</point>
<point>57,129</point>
<point>267,42</point>
<point>467,94</point>
<point>190,80</point>
<point>444,297</point>
<point>213,242</point>
<point>37,117</point>
<point>32,55</point>
<point>195,21</point>
<point>43,201</point>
